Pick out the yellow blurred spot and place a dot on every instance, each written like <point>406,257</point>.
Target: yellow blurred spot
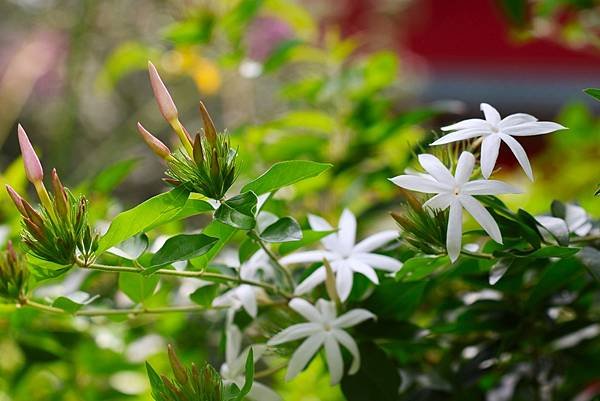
<point>207,76</point>
<point>188,61</point>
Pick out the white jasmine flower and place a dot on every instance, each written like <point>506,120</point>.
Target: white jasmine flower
<point>456,192</point>
<point>576,221</point>
<point>324,329</point>
<point>345,257</point>
<point>494,130</point>
<point>245,295</point>
<point>233,370</point>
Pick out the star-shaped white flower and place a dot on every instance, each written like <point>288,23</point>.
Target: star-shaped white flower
<point>344,255</point>
<point>233,370</point>
<point>245,295</point>
<point>494,130</point>
<point>576,221</point>
<point>456,192</point>
<point>324,329</point>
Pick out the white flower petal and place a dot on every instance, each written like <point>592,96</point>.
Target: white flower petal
<point>482,216</point>
<point>352,318</point>
<point>307,257</point>
<point>247,296</point>
<point>304,354</point>
<point>376,241</point>
<point>464,167</point>
<point>295,332</point>
<point>435,168</point>
<point>488,187</point>
<point>439,201</point>
<point>343,281</point>
<point>462,135</point>
<point>348,342</point>
<point>380,262</point>
<point>578,220</point>
<point>533,128</point>
<point>313,280</point>
<point>233,345</point>
<point>519,153</point>
<point>335,363</point>
<point>420,184</point>
<point>260,392</point>
<point>327,310</point>
<point>347,231</point>
<point>467,124</point>
<point>364,269</point>
<point>318,223</point>
<point>306,309</point>
<point>516,119</point>
<point>491,114</point>
<point>489,154</point>
<point>454,233</point>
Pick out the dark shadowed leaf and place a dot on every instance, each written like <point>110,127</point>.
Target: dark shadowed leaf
<point>286,229</point>
<point>238,212</point>
<point>180,247</point>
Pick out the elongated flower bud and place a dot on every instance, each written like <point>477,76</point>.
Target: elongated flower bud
<point>17,200</point>
<point>32,214</point>
<point>162,95</point>
<point>34,229</point>
<point>61,200</point>
<point>33,167</point>
<point>209,127</point>
<point>159,148</point>
<point>178,369</point>
<point>198,151</point>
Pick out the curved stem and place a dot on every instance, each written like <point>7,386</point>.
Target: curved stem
<point>286,273</point>
<point>478,255</point>
<point>269,371</point>
<point>113,312</point>
<point>589,238</point>
<point>204,275</point>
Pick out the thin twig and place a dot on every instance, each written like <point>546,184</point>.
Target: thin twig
<point>280,267</point>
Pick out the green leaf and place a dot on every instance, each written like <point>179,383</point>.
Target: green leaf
<point>285,173</point>
<point>308,237</point>
<point>554,252</point>
<point>154,211</point>
<point>419,267</point>
<point>66,304</point>
<point>280,54</point>
<point>247,248</point>
<point>593,92</point>
<point>132,248</point>
<point>377,379</point>
<point>398,300</point>
<point>194,31</point>
<point>553,278</point>
<point>110,177</point>
<point>191,208</point>
<point>249,375</point>
<point>215,229</point>
<point>238,212</point>
<point>137,286</point>
<point>205,295</point>
<point>286,229</point>
<point>180,247</point>
<point>590,257</point>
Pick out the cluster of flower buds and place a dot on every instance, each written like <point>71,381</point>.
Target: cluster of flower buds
<point>425,230</point>
<point>208,164</point>
<point>202,383</point>
<point>13,274</point>
<point>59,229</point>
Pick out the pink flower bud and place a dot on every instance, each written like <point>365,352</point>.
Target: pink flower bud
<point>159,148</point>
<point>163,98</point>
<point>33,167</point>
<point>16,198</point>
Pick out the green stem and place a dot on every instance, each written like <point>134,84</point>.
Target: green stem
<point>114,312</point>
<point>208,276</point>
<point>286,273</point>
<point>589,238</point>
<point>478,255</point>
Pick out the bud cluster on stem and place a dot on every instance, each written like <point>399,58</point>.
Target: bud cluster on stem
<point>60,228</point>
<point>208,165</point>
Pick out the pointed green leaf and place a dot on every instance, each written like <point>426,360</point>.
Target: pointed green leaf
<point>285,173</point>
<point>137,286</point>
<point>180,247</point>
<point>238,212</point>
<point>286,229</point>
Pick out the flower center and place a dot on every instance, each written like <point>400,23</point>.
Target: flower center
<point>495,129</point>
<point>327,326</point>
<point>456,191</point>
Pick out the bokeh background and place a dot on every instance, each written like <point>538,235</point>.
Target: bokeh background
<point>359,83</point>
